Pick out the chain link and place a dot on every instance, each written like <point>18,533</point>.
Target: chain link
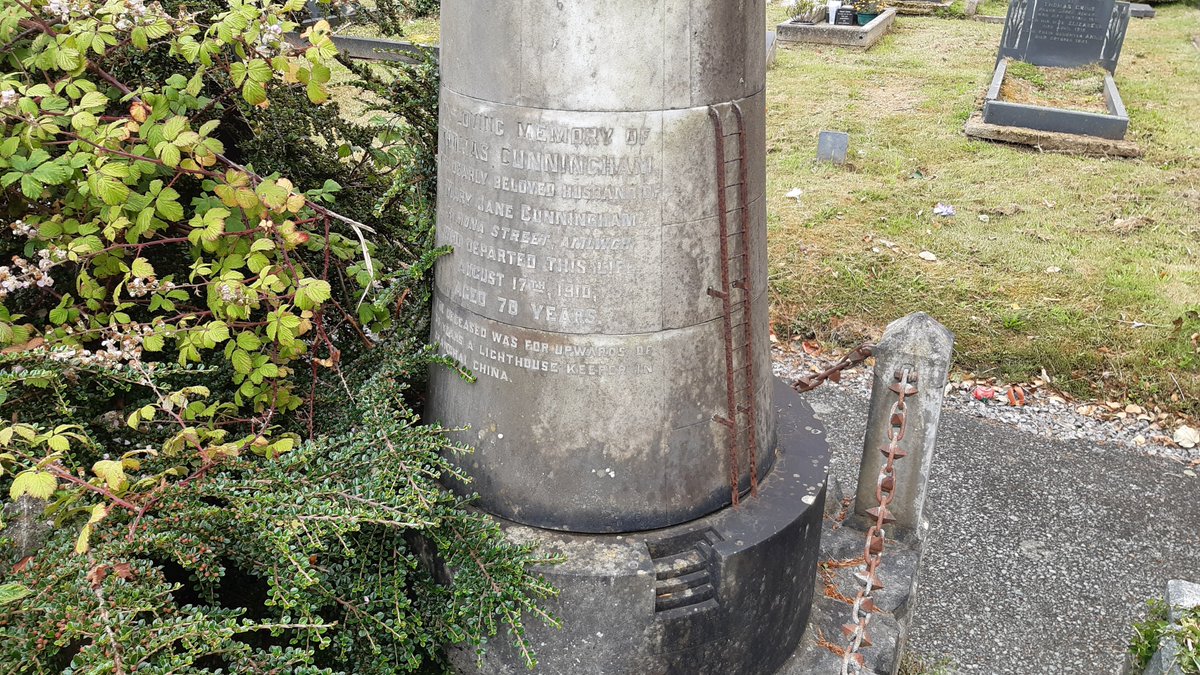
<point>885,486</point>
<point>834,372</point>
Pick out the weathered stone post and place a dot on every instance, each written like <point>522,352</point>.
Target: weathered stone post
<point>602,180</point>
<point>925,347</point>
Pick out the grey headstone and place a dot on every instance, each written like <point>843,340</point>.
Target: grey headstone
<point>832,146</point>
<point>579,190</point>
<point>1065,33</point>
<point>1140,10</point>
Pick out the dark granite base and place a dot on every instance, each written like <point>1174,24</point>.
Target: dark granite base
<point>728,593</point>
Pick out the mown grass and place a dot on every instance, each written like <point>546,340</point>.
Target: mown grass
<point>1120,238</point>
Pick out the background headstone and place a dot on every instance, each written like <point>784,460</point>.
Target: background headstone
<point>832,147</point>
<point>1140,10</point>
<point>1065,33</point>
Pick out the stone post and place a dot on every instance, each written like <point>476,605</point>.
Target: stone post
<point>921,344</point>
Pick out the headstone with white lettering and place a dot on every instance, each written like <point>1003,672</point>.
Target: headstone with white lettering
<point>1065,33</point>
<point>601,184</point>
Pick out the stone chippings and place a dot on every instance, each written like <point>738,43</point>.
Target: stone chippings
<point>1040,416</point>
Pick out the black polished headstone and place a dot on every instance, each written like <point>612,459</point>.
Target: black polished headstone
<point>1065,33</point>
<point>845,17</point>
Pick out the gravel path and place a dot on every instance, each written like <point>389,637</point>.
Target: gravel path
<point>1043,549</point>
<point>1045,413</point>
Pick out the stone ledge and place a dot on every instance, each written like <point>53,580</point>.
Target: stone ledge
<point>858,37</point>
<point>1049,141</point>
<point>921,7</point>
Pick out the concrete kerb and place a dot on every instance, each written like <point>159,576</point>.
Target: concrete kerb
<point>1112,125</point>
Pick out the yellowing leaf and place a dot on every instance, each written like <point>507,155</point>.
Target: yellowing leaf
<point>37,484</point>
<point>142,269</point>
<point>10,593</point>
<point>83,543</point>
<point>112,472</point>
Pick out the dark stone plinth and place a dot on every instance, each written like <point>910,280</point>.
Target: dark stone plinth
<point>1009,114</point>
<point>862,37</point>
<point>728,593</point>
<point>1065,33</point>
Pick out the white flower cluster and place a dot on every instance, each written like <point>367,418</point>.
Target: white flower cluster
<point>27,274</point>
<point>120,345</point>
<point>131,14</point>
<point>8,97</point>
<point>233,294</point>
<point>62,9</point>
<point>270,40</point>
<point>23,229</point>
<point>140,288</point>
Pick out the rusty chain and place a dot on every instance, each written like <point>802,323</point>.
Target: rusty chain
<point>834,373</point>
<point>860,612</point>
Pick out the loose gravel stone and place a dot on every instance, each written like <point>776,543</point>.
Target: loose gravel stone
<point>1043,415</point>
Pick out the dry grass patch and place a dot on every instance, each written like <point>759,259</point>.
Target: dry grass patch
<point>1065,88</point>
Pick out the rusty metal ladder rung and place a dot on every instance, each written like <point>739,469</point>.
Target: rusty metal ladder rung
<point>740,402</point>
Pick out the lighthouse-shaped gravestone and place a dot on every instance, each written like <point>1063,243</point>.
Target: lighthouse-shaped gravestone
<point>601,182</point>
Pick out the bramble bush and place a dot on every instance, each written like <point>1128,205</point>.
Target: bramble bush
<point>213,307</point>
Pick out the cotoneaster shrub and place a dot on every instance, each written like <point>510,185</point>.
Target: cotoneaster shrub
<point>213,303</point>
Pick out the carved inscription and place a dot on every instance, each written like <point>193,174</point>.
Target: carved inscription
<point>1074,22</point>
<point>503,353</point>
<point>552,218</point>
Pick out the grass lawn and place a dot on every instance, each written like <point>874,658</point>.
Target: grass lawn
<point>1087,267</point>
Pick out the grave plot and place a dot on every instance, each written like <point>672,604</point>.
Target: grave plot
<point>860,24</point>
<point>1053,84</point>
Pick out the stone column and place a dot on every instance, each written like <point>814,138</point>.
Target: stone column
<point>578,188</point>
<point>601,181</point>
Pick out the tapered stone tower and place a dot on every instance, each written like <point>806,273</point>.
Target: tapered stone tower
<point>601,181</point>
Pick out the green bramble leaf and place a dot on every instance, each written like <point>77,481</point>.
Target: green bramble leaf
<point>311,293</point>
<point>172,127</point>
<point>242,362</point>
<point>254,92</point>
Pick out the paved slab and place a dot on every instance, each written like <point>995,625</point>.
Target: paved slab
<point>1042,553</point>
